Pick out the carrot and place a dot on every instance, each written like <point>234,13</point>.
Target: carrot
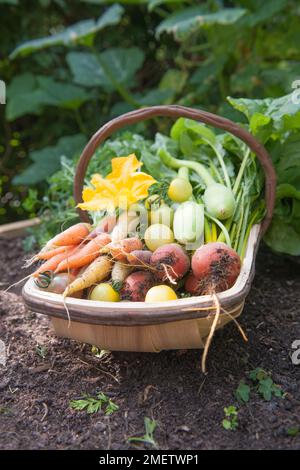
<point>72,236</point>
<point>52,263</point>
<point>97,271</point>
<point>84,255</point>
<point>53,252</point>
<point>119,249</point>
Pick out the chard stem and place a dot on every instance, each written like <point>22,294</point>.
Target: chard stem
<point>241,172</point>
<point>222,227</point>
<point>207,232</point>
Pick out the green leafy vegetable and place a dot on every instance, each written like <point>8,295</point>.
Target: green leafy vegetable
<point>276,122</point>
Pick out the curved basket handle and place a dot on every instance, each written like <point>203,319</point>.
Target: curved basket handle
<point>176,111</point>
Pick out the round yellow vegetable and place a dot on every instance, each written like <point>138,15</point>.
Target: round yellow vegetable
<point>158,235</point>
<point>180,190</point>
<point>104,292</point>
<point>160,294</point>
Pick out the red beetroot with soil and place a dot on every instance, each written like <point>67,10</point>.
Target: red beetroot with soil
<point>192,285</point>
<point>136,286</point>
<point>139,258</point>
<point>216,266</point>
<point>171,262</point>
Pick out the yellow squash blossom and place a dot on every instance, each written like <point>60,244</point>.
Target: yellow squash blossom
<point>121,188</point>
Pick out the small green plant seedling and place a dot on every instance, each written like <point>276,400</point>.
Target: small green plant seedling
<point>265,385</point>
<point>148,437</point>
<point>230,422</point>
<point>293,431</point>
<point>93,405</point>
<point>99,352</point>
<point>41,351</point>
<point>242,393</point>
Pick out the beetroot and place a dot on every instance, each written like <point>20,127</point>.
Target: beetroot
<point>192,285</point>
<point>216,266</point>
<point>171,262</point>
<point>139,257</point>
<point>136,286</point>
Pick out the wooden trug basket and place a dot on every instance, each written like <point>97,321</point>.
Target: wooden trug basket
<point>177,324</point>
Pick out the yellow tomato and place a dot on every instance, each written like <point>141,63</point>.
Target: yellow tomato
<point>160,294</point>
<point>180,190</point>
<point>157,235</point>
<point>104,292</point>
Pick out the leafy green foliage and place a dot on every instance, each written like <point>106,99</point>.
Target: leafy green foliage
<point>265,385</point>
<point>242,393</point>
<point>230,422</point>
<point>189,20</point>
<point>82,32</point>
<point>29,94</point>
<point>47,160</point>
<point>276,122</point>
<point>89,69</point>
<point>94,405</point>
<point>148,437</point>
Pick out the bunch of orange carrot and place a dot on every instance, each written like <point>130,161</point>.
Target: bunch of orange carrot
<point>86,255</point>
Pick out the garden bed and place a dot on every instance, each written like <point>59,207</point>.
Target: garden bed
<point>43,373</point>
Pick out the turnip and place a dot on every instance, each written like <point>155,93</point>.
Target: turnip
<point>136,286</point>
<point>216,266</point>
<point>170,262</point>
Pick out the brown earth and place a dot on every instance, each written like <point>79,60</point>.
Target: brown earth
<point>169,387</point>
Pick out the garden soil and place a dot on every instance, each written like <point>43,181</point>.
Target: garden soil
<point>44,373</point>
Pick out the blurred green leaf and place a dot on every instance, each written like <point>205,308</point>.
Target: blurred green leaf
<point>284,111</point>
<point>47,160</point>
<point>108,2</point>
<point>10,2</point>
<point>173,81</point>
<point>88,71</point>
<point>82,32</point>
<point>28,94</point>
<point>152,4</point>
<point>262,12</point>
<point>189,20</point>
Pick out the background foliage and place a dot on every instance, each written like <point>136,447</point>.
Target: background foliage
<point>71,66</point>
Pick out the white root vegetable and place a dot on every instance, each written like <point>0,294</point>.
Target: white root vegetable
<point>96,272</point>
<point>120,271</point>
